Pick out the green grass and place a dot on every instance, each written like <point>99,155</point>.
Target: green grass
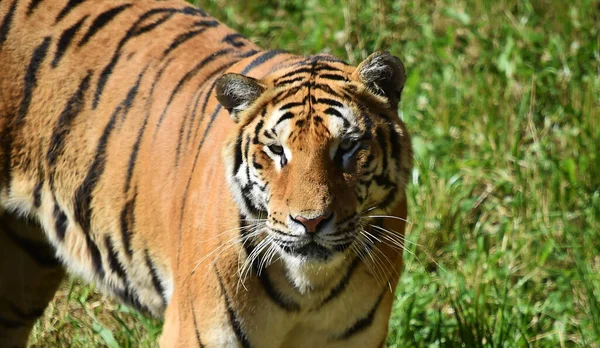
<point>503,102</point>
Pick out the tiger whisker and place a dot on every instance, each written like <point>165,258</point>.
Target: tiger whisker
<point>389,217</point>
<point>402,238</point>
<point>374,266</point>
<point>247,265</point>
<point>227,244</point>
<point>229,230</point>
<point>376,248</point>
<point>393,234</point>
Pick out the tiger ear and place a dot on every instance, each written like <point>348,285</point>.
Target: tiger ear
<point>384,75</point>
<point>237,92</point>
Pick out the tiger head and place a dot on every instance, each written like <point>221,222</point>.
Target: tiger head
<point>318,147</point>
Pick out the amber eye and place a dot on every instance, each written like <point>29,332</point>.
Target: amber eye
<point>347,145</point>
<point>276,149</point>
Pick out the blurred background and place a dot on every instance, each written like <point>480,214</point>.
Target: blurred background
<point>503,103</point>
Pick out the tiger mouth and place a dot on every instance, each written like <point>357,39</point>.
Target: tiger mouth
<point>313,249</point>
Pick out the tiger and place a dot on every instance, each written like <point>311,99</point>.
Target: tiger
<point>248,197</point>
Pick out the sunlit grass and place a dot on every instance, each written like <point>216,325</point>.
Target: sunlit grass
<point>503,101</point>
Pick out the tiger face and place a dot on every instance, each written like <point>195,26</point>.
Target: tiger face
<point>318,146</point>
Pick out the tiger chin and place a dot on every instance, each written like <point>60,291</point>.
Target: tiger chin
<point>250,198</point>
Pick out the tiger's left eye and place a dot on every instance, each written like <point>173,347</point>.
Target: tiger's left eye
<point>347,145</point>
<point>276,149</point>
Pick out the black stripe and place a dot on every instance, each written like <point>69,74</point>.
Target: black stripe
<point>333,77</point>
<point>184,122</point>
<point>41,253</point>
<point>286,93</point>
<point>113,259</point>
<point>389,198</point>
<point>290,81</point>
<point>182,38</point>
<point>65,11</point>
<point>267,134</point>
<point>255,164</point>
<point>149,27</point>
<point>31,76</point>
<point>292,105</point>
<point>329,58</point>
<point>83,195</point>
<point>329,102</point>
<point>248,54</point>
<point>334,112</point>
<point>101,21</point>
<point>103,78</point>
<point>60,222</point>
<point>203,110</point>
<point>294,73</point>
<point>364,322</point>
<point>72,109</point>
<point>186,78</point>
<point>95,256</point>
<point>136,146</point>
<point>382,141</point>
<point>32,6</point>
<point>237,162</point>
<point>342,285</point>
<point>206,23</point>
<point>128,102</point>
<point>263,58</point>
<point>327,89</point>
<point>7,138</point>
<point>247,160</point>
<point>65,40</point>
<point>7,22</point>
<point>198,340</point>
<point>128,224</point>
<point>135,30</point>
<point>37,193</point>
<point>284,117</point>
<point>259,127</point>
<point>233,40</point>
<point>277,297</point>
<point>383,180</point>
<point>207,96</point>
<point>155,278</point>
<point>233,320</point>
<point>129,296</point>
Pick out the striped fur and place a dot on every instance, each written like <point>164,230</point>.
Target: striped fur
<point>152,150</point>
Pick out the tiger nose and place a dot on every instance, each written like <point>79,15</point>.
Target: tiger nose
<point>312,225</point>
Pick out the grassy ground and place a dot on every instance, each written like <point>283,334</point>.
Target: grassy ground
<point>503,101</point>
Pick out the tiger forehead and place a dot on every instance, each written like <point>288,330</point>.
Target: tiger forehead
<point>307,94</point>
<point>312,68</point>
<point>307,116</point>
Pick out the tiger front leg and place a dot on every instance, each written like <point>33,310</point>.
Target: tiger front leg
<point>29,276</point>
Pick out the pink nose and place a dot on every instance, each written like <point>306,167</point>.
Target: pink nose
<point>311,224</point>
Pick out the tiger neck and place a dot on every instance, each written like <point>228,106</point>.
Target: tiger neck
<point>312,277</point>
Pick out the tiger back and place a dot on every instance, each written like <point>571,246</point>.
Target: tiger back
<point>251,198</point>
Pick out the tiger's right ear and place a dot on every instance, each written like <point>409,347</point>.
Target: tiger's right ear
<point>237,92</point>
